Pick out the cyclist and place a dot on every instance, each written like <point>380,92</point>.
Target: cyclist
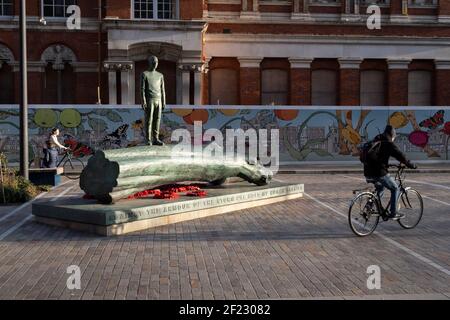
<point>51,151</point>
<point>376,168</point>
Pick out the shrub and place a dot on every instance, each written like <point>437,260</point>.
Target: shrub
<point>16,188</point>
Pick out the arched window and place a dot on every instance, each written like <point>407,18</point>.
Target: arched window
<point>224,86</point>
<point>419,88</point>
<point>155,9</point>
<point>274,87</point>
<point>373,88</point>
<point>324,87</point>
<point>6,84</point>
<point>59,81</point>
<point>6,76</point>
<point>169,71</point>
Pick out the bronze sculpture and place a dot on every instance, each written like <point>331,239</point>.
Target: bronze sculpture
<point>112,175</point>
<point>116,174</point>
<point>153,101</point>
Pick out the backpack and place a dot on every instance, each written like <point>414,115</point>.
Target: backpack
<point>369,152</point>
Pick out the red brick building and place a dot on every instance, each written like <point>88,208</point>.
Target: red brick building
<point>249,52</point>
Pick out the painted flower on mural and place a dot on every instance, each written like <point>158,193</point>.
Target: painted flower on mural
<point>201,115</point>
<point>70,142</point>
<point>191,115</point>
<point>446,129</point>
<point>83,151</point>
<point>182,112</point>
<point>398,120</point>
<point>229,112</point>
<point>286,115</point>
<point>419,138</point>
<point>79,149</point>
<point>351,135</point>
<point>70,118</point>
<point>45,118</point>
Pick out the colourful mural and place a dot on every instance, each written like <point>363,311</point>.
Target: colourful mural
<point>306,133</point>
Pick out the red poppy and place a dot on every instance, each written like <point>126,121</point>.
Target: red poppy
<point>170,192</point>
<point>167,195</point>
<point>198,193</point>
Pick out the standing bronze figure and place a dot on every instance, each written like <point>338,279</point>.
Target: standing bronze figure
<point>153,101</point>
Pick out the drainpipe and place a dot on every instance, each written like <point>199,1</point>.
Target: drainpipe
<point>23,91</point>
<point>99,52</point>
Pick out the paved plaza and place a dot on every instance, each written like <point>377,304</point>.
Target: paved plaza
<point>297,249</point>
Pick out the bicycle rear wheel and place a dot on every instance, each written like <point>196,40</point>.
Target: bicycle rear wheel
<point>363,214</point>
<point>73,168</point>
<point>411,205</point>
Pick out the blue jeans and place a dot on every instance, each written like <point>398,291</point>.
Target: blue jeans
<point>387,182</point>
<point>50,158</point>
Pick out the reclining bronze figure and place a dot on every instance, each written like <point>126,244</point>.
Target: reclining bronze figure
<point>116,174</point>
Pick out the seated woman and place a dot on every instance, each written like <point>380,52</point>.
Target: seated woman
<point>51,151</point>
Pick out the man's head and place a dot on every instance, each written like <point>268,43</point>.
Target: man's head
<point>390,132</point>
<point>152,63</point>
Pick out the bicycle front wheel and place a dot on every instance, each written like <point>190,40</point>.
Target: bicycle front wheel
<point>411,205</point>
<point>73,168</point>
<point>363,214</point>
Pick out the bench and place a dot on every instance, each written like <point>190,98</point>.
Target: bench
<point>46,176</point>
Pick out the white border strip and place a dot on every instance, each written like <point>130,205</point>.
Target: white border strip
<point>232,107</point>
<point>30,202</point>
<point>439,186</point>
<point>396,244</point>
<point>63,193</point>
<point>436,200</point>
<point>414,181</point>
<point>26,219</point>
<point>15,227</point>
<point>22,206</point>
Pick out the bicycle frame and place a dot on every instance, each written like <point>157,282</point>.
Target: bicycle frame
<point>398,177</point>
<point>68,155</point>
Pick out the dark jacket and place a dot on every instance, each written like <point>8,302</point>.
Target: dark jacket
<point>387,149</point>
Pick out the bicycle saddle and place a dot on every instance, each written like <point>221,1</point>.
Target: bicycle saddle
<point>374,182</point>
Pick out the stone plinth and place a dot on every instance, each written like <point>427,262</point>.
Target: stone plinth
<point>134,215</point>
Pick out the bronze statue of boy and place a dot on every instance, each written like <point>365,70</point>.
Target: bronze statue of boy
<point>153,101</point>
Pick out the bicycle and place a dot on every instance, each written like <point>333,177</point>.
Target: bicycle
<point>72,165</point>
<point>366,208</point>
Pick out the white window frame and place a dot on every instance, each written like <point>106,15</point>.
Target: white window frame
<point>155,12</point>
<point>2,15</point>
<point>374,2</point>
<point>53,17</point>
<point>324,3</point>
<point>434,4</point>
<point>276,2</point>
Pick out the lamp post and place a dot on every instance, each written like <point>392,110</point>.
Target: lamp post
<point>23,91</point>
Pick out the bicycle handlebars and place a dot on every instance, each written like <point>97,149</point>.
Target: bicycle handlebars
<point>400,166</point>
